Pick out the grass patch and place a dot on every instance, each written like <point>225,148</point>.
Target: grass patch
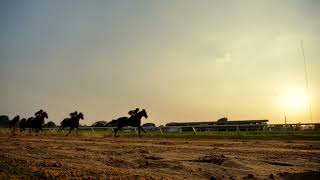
<point>225,134</point>
<point>308,135</point>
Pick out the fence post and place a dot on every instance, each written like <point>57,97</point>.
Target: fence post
<point>292,130</point>
<point>160,130</point>
<point>194,130</point>
<point>238,130</point>
<point>136,129</point>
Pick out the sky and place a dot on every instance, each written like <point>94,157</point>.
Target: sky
<point>181,60</point>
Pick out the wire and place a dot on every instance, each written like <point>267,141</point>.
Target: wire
<point>306,80</point>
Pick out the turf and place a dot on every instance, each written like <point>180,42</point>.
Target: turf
<point>310,135</point>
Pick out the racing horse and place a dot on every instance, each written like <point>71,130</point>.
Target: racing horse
<point>134,121</point>
<point>37,122</point>
<point>71,122</point>
<point>23,124</point>
<point>13,123</point>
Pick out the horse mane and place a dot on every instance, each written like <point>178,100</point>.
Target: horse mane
<point>16,118</point>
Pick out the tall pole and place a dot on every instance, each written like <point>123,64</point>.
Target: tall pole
<point>307,81</point>
<point>285,120</point>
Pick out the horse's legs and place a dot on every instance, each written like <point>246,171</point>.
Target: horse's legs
<point>70,131</point>
<point>142,129</point>
<point>36,131</point>
<point>11,127</point>
<point>77,131</point>
<point>115,131</point>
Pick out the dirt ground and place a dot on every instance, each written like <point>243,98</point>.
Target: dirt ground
<point>56,157</point>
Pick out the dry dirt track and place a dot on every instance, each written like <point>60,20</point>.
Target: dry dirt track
<point>46,157</point>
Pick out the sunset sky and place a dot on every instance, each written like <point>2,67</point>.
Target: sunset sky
<point>180,60</point>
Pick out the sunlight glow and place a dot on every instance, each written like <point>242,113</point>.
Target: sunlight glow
<point>295,99</point>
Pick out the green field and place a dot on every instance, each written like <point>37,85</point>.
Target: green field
<point>310,135</point>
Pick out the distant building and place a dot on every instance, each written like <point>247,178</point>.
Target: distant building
<point>222,124</point>
<point>149,126</point>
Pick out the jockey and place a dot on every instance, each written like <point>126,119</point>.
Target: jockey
<point>39,113</point>
<point>133,112</point>
<point>73,114</point>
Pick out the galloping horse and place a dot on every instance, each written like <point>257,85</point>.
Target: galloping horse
<point>71,122</point>
<point>37,122</point>
<point>13,123</point>
<point>28,124</point>
<point>134,121</point>
<point>23,124</point>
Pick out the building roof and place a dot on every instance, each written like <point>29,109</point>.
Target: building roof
<point>216,122</point>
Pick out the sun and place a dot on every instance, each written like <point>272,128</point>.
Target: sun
<point>295,99</point>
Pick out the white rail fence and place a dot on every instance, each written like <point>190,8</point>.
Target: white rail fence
<point>194,129</point>
<point>208,128</point>
<point>204,128</point>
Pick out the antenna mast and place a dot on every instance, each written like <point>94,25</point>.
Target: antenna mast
<point>306,80</point>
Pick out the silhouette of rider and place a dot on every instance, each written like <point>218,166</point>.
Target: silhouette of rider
<point>133,112</point>
<point>73,114</point>
<point>39,113</point>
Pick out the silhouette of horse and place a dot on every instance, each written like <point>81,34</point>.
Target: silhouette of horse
<point>13,123</point>
<point>28,125</point>
<point>37,122</point>
<point>71,122</point>
<point>134,121</point>
<point>23,124</point>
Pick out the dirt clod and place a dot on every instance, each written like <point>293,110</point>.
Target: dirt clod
<point>214,159</point>
<point>213,178</point>
<point>56,157</point>
<point>271,176</point>
<point>154,157</point>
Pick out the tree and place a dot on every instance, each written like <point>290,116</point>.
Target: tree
<point>149,125</point>
<point>100,124</point>
<point>223,120</point>
<point>50,124</point>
